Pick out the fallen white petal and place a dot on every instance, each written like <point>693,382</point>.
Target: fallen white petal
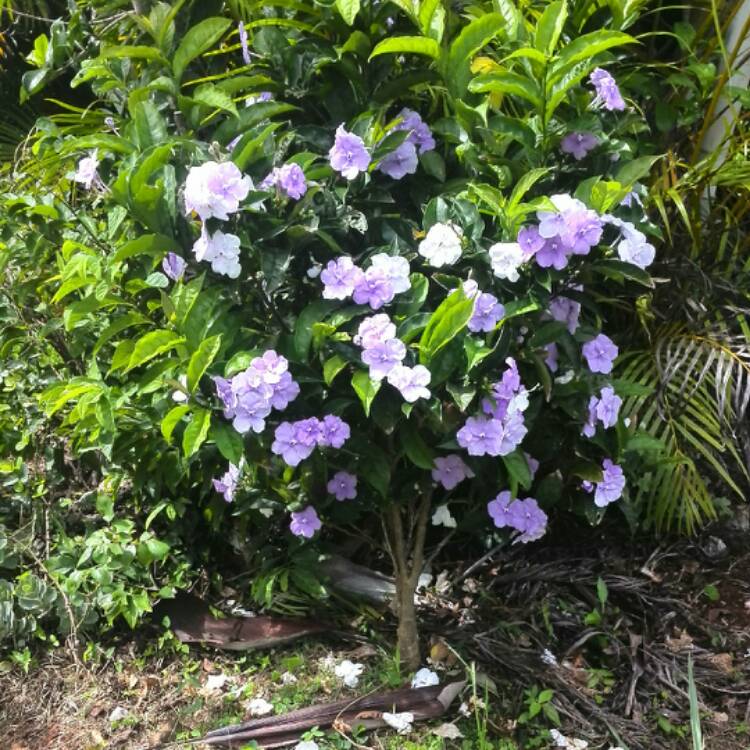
<point>349,672</point>
<point>216,681</point>
<point>259,707</point>
<point>425,678</point>
<point>118,714</point>
<point>400,722</point>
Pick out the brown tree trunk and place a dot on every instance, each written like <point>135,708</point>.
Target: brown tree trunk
<point>407,553</point>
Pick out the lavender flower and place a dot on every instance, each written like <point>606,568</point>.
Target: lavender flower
<point>481,436</point>
<point>333,432</point>
<point>348,155</point>
<point>383,357</point>
<point>608,407</point>
<point>552,355</point>
<point>565,310</point>
<point>450,471</point>
<point>578,144</point>
<point>611,486</point>
<point>340,277</point>
<point>227,485</point>
<point>530,241</point>
<point>289,179</point>
<point>400,162</point>
<point>221,250</point>
<point>395,268</point>
<point>487,313</point>
<point>374,330</point>
<point>411,382</point>
<point>419,135</point>
<point>554,253</point>
<point>600,353</point>
<point>305,522</point>
<point>528,519</point>
<point>532,463</point>
<point>86,173</point>
<point>343,486</point>
<point>607,93</point>
<point>243,43</point>
<point>639,253</point>
<point>292,443</point>
<point>214,190</point>
<point>173,266</point>
<point>442,244</point>
<point>499,510</point>
<point>374,288</point>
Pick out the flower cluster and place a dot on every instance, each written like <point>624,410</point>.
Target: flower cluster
<point>383,353</point>
<point>403,159</point>
<point>295,441</point>
<point>500,430</point>
<point>605,408</point>
<point>387,276</point>
<point>524,516</point>
<point>249,396</point>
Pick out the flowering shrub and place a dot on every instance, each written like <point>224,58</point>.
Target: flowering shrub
<point>386,264</point>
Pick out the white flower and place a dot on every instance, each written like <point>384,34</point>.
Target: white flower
<point>180,396</point>
<point>314,271</point>
<point>442,517</point>
<point>307,745</point>
<point>221,250</point>
<point>425,677</point>
<point>349,672</point>
<point>259,707</point>
<point>396,268</point>
<point>506,258</point>
<point>86,171</point>
<point>442,245</point>
<point>549,658</point>
<point>639,253</point>
<point>400,722</point>
<point>412,382</point>
<point>288,679</point>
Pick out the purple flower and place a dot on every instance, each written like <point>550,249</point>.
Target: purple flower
<point>533,464</point>
<point>376,329</point>
<point>292,444</point>
<point>451,471</point>
<point>554,253</point>
<point>253,406</point>
<point>225,393</point>
<point>227,485</point>
<point>343,486</point>
<point>243,43</point>
<point>374,288</point>
<point>499,510</point>
<point>419,134</point>
<point>86,173</point>
<point>348,155</point>
<point>638,252</point>
<point>400,162</point>
<point>481,436</point>
<point>333,432</point>
<point>607,93</point>
<point>552,354</point>
<point>589,427</point>
<point>215,189</point>
<point>584,231</point>
<point>600,353</point>
<point>578,144</point>
<point>290,179</point>
<point>487,312</point>
<point>305,522</point>
<point>395,268</point>
<point>173,266</point>
<point>284,392</point>
<point>608,407</point>
<point>565,310</point>
<point>530,241</point>
<point>411,382</point>
<point>611,485</point>
<point>340,277</point>
<point>510,382</point>
<point>383,357</point>
<point>528,519</point>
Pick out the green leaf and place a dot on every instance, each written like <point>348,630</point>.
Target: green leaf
<point>518,469</point>
<point>201,360</point>
<point>635,170</point>
<point>508,83</point>
<point>151,345</point>
<point>228,441</point>
<point>374,467</point>
<point>584,48</point>
<point>147,244</point>
<point>172,419</point>
<point>618,270</point>
<point>303,329</point>
<point>365,388</point>
<point>463,395</point>
<point>196,432</point>
<point>601,592</point>
<point>399,45</point>
<point>199,39</point>
<point>472,38</point>
<point>450,318</point>
<point>550,26</point>
<point>348,10</point>
<point>119,324</point>
<point>135,52</point>
<point>418,452</point>
<point>332,367</point>
<point>212,96</point>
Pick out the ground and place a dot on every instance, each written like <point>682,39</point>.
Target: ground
<point>595,642</point>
